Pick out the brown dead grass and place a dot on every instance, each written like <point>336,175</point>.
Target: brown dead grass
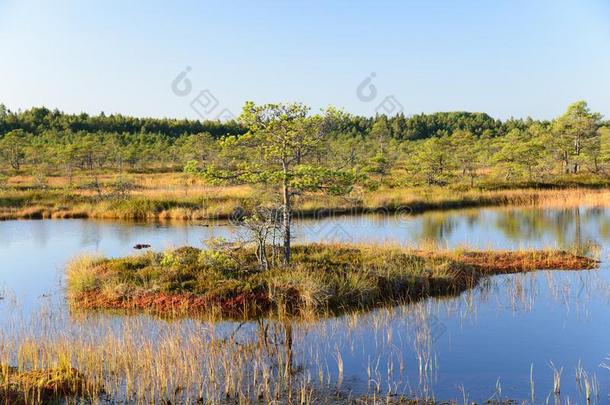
<point>218,203</point>
<point>40,386</point>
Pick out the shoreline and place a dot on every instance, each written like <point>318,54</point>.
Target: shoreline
<point>388,203</point>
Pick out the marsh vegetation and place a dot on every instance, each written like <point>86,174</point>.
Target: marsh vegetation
<point>321,279</point>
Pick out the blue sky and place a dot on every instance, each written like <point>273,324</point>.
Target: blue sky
<point>504,57</point>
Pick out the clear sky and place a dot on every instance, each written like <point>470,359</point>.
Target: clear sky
<point>503,57</point>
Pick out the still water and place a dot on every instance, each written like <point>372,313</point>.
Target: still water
<point>486,343</point>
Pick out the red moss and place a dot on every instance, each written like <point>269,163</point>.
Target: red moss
<point>177,303</point>
<point>510,262</point>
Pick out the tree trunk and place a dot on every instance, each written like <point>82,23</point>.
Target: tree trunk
<point>286,217</point>
<point>15,161</point>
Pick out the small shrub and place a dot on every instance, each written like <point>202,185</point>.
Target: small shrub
<point>121,188</point>
<point>219,262</point>
<point>40,179</point>
<point>169,260</point>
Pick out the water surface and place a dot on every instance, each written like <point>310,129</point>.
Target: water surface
<point>484,343</point>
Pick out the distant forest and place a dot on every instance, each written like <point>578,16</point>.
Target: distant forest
<point>422,126</point>
<point>439,148</point>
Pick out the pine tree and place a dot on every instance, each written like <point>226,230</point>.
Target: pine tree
<point>573,133</point>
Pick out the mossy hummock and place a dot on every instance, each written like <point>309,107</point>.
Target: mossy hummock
<point>321,279</point>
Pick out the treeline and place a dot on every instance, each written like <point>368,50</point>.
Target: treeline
<point>39,120</point>
<point>438,149</point>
